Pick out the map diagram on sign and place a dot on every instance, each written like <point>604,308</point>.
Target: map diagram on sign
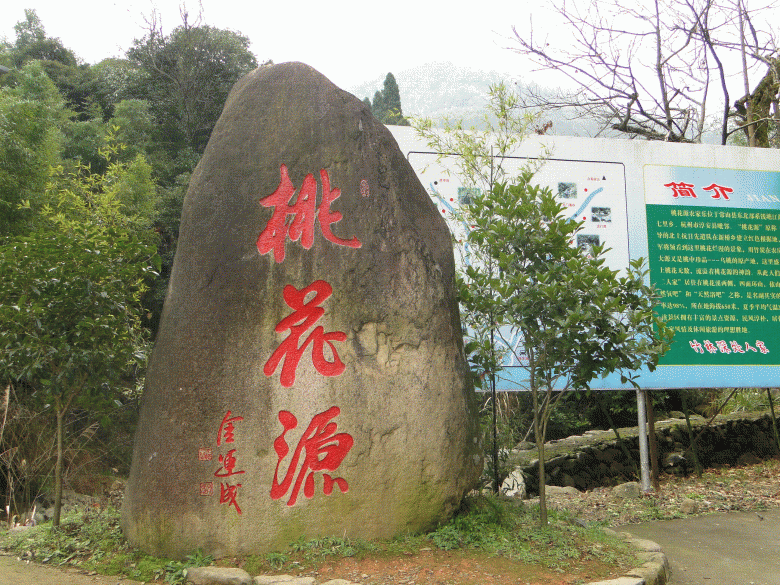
<point>592,192</point>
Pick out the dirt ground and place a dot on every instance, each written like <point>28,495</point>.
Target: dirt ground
<point>753,487</point>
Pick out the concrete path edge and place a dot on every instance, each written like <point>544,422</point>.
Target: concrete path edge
<point>655,569</point>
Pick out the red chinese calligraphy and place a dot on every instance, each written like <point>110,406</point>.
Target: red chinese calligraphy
<point>719,191</point>
<point>303,212</point>
<point>204,454</point>
<point>736,347</point>
<point>227,495</point>
<point>304,316</point>
<point>207,489</point>
<point>319,449</point>
<point>226,429</point>
<point>228,461</point>
<point>727,347</point>
<point>681,189</point>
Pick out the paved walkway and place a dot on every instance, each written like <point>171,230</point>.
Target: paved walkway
<point>14,572</point>
<point>733,548</point>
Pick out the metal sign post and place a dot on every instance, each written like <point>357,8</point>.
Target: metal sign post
<point>644,459</point>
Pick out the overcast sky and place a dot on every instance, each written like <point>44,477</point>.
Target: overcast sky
<point>349,41</point>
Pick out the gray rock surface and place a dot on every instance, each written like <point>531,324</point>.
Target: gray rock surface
<point>689,506</point>
<point>628,490</point>
<point>284,580</point>
<point>514,485</point>
<point>218,576</point>
<point>308,377</point>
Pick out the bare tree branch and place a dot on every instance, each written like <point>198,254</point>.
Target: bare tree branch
<point>646,70</point>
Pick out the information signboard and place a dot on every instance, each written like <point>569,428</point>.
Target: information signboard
<point>708,227</point>
<point>714,254</point>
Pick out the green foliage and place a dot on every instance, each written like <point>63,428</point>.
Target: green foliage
<point>479,163</point>
<point>276,560</point>
<point>92,539</point>
<point>86,537</point>
<point>99,154</point>
<point>134,126</point>
<point>743,400</point>
<point>31,114</point>
<point>32,43</point>
<point>60,64</point>
<point>176,571</point>
<point>386,106</point>
<point>577,318</point>
<point>69,308</point>
<point>506,529</point>
<point>112,80</point>
<point>186,77</point>
<point>70,325</point>
<point>122,197</point>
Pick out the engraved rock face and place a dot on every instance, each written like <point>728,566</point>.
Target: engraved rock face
<point>308,376</point>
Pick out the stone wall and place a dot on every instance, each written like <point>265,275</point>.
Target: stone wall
<point>596,459</point>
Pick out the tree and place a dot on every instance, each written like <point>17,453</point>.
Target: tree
<point>186,77</point>
<point>60,63</point>
<point>577,319</point>
<point>479,159</point>
<point>70,316</point>
<point>33,113</point>
<point>391,99</point>
<point>123,196</point>
<point>113,80</point>
<point>386,106</point>
<point>646,70</point>
<point>32,43</point>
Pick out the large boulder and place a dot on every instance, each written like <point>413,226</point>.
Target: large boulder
<point>308,377</point>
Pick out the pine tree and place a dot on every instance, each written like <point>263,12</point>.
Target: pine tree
<point>392,102</point>
<point>386,105</point>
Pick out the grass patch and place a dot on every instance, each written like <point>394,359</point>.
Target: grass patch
<point>92,540</point>
<point>484,526</point>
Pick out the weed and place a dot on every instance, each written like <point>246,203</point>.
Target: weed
<point>500,528</point>
<point>176,571</point>
<point>254,564</point>
<point>92,540</point>
<point>276,560</point>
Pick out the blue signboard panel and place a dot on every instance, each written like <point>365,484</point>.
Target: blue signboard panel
<point>705,218</point>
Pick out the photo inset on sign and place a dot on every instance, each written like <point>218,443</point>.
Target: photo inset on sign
<point>601,214</point>
<point>467,194</point>
<point>585,242</point>
<point>567,190</point>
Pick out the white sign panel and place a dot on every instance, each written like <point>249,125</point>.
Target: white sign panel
<point>613,186</point>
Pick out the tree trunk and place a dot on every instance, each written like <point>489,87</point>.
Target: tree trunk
<point>539,437</point>
<point>58,468</point>
<point>653,443</point>
<point>749,116</point>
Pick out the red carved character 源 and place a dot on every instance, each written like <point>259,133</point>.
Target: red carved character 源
<point>320,448</point>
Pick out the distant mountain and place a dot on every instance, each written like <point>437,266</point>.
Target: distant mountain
<point>435,90</point>
<point>438,90</point>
